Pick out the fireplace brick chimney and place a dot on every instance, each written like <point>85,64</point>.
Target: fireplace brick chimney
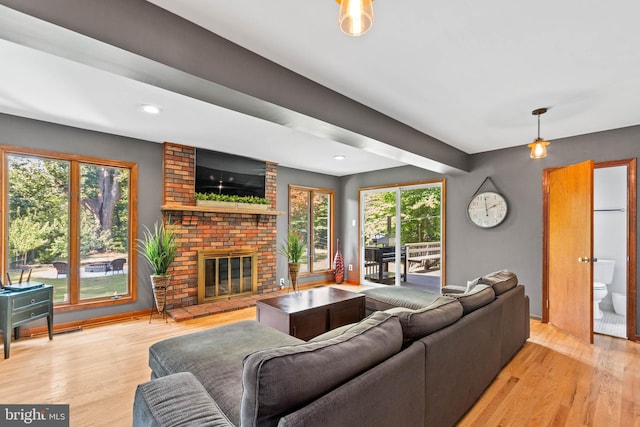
<point>201,229</point>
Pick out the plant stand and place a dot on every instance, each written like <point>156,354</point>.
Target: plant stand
<point>294,267</point>
<point>159,298</point>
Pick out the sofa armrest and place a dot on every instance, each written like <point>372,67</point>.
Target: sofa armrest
<point>176,400</point>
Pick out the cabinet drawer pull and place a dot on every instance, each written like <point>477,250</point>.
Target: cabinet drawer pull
<point>32,314</point>
<point>33,300</point>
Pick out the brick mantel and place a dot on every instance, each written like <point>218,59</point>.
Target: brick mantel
<point>201,229</point>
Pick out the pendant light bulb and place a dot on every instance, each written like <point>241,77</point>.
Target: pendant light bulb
<point>356,16</point>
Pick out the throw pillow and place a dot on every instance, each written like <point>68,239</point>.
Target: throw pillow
<point>471,284</point>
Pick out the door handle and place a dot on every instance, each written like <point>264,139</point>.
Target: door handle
<point>585,259</point>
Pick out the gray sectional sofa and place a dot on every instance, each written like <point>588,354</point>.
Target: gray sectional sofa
<point>419,359</point>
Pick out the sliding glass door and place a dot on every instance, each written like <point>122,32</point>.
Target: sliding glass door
<point>401,240</point>
<point>379,219</point>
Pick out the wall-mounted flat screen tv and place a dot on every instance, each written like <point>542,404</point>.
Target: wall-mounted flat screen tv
<point>223,173</point>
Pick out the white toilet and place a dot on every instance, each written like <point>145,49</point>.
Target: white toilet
<point>602,276</point>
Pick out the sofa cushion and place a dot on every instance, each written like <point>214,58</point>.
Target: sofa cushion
<point>333,332</point>
<point>162,402</point>
<point>380,299</point>
<point>215,356</point>
<point>501,281</point>
<point>419,323</point>
<point>281,380</point>
<point>479,296</point>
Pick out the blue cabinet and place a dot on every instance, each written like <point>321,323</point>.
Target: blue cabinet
<point>19,307</point>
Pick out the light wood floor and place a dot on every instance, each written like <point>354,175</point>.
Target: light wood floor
<point>554,380</point>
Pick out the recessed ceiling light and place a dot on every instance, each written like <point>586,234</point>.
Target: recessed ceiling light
<point>150,109</point>
<point>339,157</point>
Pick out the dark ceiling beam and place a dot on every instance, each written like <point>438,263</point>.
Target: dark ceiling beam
<point>263,88</point>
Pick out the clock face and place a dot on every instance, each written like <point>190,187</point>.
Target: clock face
<point>487,209</point>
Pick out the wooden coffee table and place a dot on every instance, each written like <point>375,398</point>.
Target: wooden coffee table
<point>307,314</point>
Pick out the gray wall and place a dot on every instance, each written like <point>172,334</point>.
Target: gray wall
<point>148,155</point>
<point>515,244</point>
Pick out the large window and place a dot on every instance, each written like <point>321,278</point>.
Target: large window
<point>311,217</point>
<point>69,222</point>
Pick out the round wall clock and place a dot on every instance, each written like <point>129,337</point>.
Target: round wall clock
<point>487,209</point>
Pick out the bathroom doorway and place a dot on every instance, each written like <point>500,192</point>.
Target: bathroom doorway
<point>614,202</point>
<point>610,250</point>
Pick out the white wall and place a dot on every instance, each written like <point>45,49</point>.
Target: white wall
<point>610,227</point>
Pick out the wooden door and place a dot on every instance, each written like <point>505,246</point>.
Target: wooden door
<point>570,249</point>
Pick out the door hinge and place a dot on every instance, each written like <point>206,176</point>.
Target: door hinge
<point>547,304</point>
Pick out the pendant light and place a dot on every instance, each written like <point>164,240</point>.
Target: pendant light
<point>539,146</point>
<point>356,16</point>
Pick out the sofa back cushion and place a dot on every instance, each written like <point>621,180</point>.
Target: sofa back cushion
<point>501,281</point>
<point>422,322</point>
<point>478,297</point>
<point>280,380</point>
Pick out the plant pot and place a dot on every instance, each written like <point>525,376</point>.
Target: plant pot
<point>294,267</point>
<point>159,285</point>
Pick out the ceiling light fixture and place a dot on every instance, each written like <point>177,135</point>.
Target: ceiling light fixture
<point>150,109</point>
<point>339,157</point>
<point>356,16</point>
<point>539,146</point>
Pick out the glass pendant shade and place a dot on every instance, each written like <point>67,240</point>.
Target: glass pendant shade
<point>356,16</point>
<point>538,148</point>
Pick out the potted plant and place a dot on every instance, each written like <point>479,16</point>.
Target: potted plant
<point>228,201</point>
<point>159,247</point>
<point>293,249</point>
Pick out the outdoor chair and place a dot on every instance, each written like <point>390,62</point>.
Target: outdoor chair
<point>118,265</point>
<point>61,268</point>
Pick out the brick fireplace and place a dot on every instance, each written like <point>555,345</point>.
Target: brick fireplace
<point>212,230</point>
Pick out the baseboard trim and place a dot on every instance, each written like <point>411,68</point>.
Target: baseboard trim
<point>80,324</point>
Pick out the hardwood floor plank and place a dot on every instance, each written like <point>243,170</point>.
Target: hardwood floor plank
<point>564,382</point>
<point>555,380</point>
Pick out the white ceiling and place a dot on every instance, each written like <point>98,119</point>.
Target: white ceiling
<point>467,73</point>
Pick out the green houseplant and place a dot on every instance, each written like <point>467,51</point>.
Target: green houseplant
<point>224,200</point>
<point>159,247</point>
<point>293,249</point>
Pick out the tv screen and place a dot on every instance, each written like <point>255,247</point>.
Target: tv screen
<point>229,174</point>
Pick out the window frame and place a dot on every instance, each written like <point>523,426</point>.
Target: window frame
<point>330,238</point>
<point>75,161</point>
